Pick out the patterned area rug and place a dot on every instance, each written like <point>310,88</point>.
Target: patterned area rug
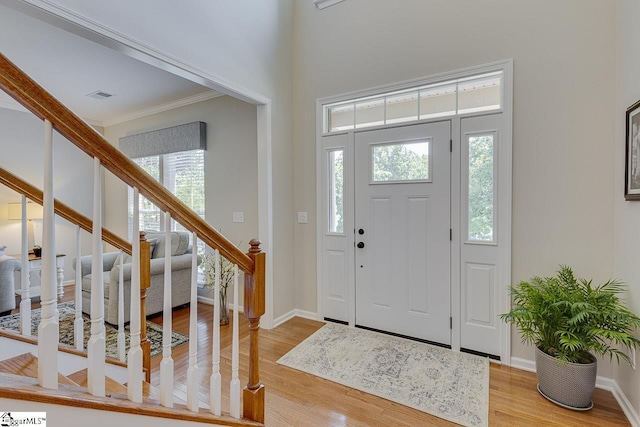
<point>67,317</point>
<point>449,385</point>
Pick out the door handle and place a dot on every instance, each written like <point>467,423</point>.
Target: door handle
<point>360,245</point>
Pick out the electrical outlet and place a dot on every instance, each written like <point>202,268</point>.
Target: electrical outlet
<point>302,217</point>
<point>238,217</point>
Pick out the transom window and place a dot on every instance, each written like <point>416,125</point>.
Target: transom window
<point>461,96</point>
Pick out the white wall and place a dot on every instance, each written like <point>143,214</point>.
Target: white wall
<point>247,42</point>
<point>563,145</point>
<point>22,142</point>
<point>627,214</point>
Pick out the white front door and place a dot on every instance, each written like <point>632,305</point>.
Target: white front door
<point>402,230</point>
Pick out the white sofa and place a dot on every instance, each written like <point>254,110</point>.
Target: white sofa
<point>180,277</point>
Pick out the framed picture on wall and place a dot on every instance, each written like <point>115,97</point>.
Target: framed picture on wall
<point>632,154</point>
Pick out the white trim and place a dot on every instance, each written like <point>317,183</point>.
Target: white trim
<point>627,407</point>
<point>204,96</point>
<point>295,313</point>
<point>523,364</point>
<point>506,197</point>
<point>81,26</point>
<point>504,192</point>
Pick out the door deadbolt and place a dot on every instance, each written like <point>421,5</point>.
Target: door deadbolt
<point>361,231</point>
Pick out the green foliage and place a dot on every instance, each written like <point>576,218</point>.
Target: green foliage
<point>398,163</point>
<point>567,318</point>
<point>481,188</point>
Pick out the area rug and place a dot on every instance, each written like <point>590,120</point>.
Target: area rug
<point>67,318</point>
<point>447,384</point>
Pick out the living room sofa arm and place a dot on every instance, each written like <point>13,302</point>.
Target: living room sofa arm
<point>108,259</point>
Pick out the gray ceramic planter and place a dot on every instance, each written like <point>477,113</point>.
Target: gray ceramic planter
<point>569,385</point>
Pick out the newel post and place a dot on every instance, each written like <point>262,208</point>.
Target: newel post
<point>254,305</point>
<point>145,283</point>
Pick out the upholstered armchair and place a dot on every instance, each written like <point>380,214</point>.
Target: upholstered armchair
<point>180,277</point>
<point>8,267</point>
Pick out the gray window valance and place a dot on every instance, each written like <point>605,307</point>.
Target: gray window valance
<point>190,136</point>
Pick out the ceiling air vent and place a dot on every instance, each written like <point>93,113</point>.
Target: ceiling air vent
<point>99,94</point>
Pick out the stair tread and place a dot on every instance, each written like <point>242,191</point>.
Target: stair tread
<point>110,385</point>
<point>27,365</point>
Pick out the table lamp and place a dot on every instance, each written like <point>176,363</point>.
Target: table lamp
<point>34,211</point>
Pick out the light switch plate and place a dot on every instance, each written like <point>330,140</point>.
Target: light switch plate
<point>238,217</point>
<point>302,217</point>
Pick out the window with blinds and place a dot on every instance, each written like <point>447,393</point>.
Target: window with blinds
<point>182,173</point>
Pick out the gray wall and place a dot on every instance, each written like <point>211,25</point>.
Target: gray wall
<point>22,142</point>
<point>563,142</point>
<point>230,165</point>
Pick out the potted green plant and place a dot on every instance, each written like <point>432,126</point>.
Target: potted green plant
<point>569,320</point>
<point>226,280</point>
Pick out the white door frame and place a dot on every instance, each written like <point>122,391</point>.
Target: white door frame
<point>503,301</point>
<point>76,24</point>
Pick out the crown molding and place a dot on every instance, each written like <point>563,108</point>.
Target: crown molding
<point>204,96</point>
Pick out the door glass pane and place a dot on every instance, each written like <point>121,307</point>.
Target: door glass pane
<point>336,191</point>
<point>402,107</point>
<point>370,113</point>
<point>479,95</point>
<point>407,161</point>
<point>340,117</point>
<point>481,188</point>
<point>438,101</point>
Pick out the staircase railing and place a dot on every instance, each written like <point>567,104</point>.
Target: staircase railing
<point>56,116</point>
<point>83,222</point>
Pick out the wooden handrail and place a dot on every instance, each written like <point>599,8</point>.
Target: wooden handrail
<point>41,103</point>
<point>62,210</point>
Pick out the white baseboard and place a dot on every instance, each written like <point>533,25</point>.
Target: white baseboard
<point>603,383</point>
<point>626,406</point>
<point>295,313</point>
<point>209,301</point>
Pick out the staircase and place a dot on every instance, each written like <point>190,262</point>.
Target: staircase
<point>26,378</point>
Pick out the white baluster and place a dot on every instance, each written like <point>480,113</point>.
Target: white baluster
<point>166,366</point>
<point>122,351</point>
<point>193,372</point>
<point>135,370</point>
<point>215,384</point>
<point>78,325</point>
<point>25,296</point>
<point>234,388</point>
<point>48,328</point>
<point>96,344</point>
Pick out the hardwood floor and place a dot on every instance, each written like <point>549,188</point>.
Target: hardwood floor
<point>298,399</point>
